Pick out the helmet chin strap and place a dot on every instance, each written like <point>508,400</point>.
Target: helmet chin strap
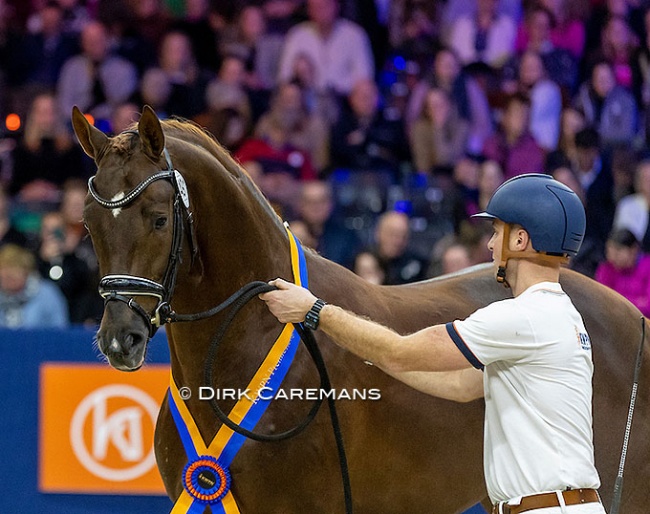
<point>532,255</point>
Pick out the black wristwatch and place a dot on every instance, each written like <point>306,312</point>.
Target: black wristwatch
<point>312,318</point>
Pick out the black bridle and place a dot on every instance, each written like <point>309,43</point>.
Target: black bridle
<point>124,288</point>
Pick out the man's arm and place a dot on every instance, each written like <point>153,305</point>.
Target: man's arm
<point>462,386</point>
<point>430,349</point>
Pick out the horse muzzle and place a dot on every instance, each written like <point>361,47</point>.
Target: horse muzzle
<point>124,352</point>
<point>126,326</point>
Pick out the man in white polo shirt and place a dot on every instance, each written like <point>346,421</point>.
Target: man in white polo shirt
<point>529,356</point>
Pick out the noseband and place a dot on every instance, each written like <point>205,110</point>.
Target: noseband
<point>124,288</point>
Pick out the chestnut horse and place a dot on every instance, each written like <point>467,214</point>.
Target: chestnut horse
<point>407,452</point>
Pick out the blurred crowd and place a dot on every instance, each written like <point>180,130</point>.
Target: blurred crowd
<point>375,127</point>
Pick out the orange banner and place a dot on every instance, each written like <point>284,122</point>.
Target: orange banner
<point>96,428</point>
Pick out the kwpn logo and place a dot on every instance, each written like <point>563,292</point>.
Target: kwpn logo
<point>127,429</point>
<point>96,428</point>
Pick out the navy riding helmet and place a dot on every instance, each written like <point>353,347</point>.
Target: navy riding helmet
<point>549,211</point>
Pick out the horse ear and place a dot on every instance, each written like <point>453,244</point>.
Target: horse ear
<point>151,134</point>
<point>92,140</point>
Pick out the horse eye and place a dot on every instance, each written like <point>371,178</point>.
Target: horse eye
<point>160,222</point>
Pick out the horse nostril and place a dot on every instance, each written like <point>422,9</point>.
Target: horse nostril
<point>133,339</point>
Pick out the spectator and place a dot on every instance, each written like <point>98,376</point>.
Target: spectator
<point>282,15</point>
<point>513,146</point>
<point>626,270</point>
<point>126,40</point>
<point>46,156</point>
<point>200,24</point>
<point>607,106</point>
<point>632,211</point>
<point>617,47</point>
<point>600,14</point>
<point>27,300</point>
<point>188,82</point>
<point>392,236</point>
<point>329,237</point>
<point>37,57</point>
<point>76,15</point>
<point>413,29</point>
<point>567,177</point>
<point>306,131</point>
<point>368,267</point>
<point>449,255</point>
<point>363,138</point>
<point>624,161</point>
<point>95,80</point>
<point>231,76</point>
<point>487,36</point>
<point>275,164</point>
<point>151,20</point>
<point>456,257</point>
<point>275,153</point>
<point>475,237</point>
<point>301,231</point>
<point>593,169</point>
<point>339,48</point>
<point>467,97</point>
<point>248,39</point>
<point>455,9</point>
<point>545,100</point>
<point>155,91</point>
<point>228,114</point>
<point>322,103</point>
<point>490,177</point>
<point>640,63</point>
<point>9,234</point>
<point>560,168</point>
<point>77,241</point>
<point>439,136</point>
<point>568,31</point>
<point>67,271</point>
<point>572,121</point>
<point>465,190</point>
<point>124,116</point>
<point>535,34</point>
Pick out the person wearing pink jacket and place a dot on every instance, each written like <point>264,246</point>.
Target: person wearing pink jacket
<point>626,269</point>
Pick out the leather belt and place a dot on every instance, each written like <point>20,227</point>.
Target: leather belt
<point>546,500</point>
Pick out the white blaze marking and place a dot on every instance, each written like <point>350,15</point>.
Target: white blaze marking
<point>118,196</point>
<point>115,346</point>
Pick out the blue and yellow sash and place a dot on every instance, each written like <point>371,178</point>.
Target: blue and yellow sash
<point>206,477</point>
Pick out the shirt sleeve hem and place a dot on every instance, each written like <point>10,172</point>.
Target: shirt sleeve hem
<point>462,346</point>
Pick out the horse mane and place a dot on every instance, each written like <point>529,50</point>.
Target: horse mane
<point>190,132</point>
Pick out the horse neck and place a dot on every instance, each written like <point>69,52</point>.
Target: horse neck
<point>240,240</point>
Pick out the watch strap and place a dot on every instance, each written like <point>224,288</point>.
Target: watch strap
<point>312,318</point>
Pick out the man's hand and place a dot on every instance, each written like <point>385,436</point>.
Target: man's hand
<point>290,303</point>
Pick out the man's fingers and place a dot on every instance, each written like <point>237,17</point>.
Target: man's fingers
<point>279,283</point>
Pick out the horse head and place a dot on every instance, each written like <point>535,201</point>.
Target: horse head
<point>139,215</point>
<point>133,215</point>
